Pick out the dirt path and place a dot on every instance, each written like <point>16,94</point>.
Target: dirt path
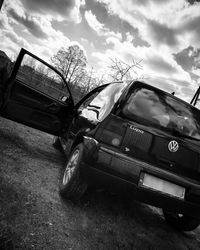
<point>33,216</point>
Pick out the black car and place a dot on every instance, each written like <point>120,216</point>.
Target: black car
<point>128,136</point>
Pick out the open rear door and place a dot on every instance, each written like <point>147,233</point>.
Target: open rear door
<point>37,95</point>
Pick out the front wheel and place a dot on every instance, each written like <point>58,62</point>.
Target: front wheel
<point>72,187</point>
<point>181,221</point>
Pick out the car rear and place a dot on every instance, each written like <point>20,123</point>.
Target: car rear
<point>149,150</point>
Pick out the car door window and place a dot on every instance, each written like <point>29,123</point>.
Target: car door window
<point>87,101</point>
<point>103,103</point>
<point>42,78</point>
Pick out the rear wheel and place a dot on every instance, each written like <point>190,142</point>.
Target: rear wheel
<point>181,221</point>
<point>72,187</point>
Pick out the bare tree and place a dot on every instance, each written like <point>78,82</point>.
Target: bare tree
<point>91,80</point>
<point>123,71</point>
<point>71,62</point>
<point>88,80</point>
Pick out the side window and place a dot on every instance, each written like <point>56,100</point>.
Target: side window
<point>42,78</point>
<point>88,101</point>
<point>103,103</point>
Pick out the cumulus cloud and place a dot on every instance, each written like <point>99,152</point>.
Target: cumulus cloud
<point>33,24</point>
<point>190,30</point>
<point>162,34</point>
<point>45,40</point>
<point>21,42</point>
<point>153,62</point>
<point>171,23</point>
<point>159,64</point>
<point>169,27</point>
<point>36,25</point>
<point>10,41</point>
<point>162,66</point>
<point>99,27</point>
<point>56,9</point>
<point>189,59</point>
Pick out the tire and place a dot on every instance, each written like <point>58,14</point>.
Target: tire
<point>71,186</point>
<point>180,221</point>
<point>56,143</point>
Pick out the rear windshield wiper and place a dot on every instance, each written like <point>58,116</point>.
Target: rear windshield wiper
<point>179,134</point>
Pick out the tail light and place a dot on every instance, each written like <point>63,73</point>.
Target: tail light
<point>112,131</point>
<point>110,137</point>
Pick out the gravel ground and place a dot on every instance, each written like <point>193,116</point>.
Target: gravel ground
<point>33,216</point>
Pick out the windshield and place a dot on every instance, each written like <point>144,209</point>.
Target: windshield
<point>162,110</point>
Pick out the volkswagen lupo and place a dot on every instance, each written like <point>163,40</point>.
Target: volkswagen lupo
<point>129,137</point>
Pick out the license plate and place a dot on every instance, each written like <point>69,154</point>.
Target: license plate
<point>166,187</point>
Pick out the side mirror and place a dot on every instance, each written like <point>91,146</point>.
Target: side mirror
<point>64,98</point>
<point>80,109</point>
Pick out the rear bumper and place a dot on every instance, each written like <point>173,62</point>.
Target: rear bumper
<point>111,169</point>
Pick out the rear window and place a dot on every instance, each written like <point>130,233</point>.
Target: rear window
<point>159,109</point>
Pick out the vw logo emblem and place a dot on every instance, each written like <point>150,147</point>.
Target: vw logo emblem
<point>173,146</point>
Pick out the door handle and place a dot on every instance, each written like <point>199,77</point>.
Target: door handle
<point>52,107</point>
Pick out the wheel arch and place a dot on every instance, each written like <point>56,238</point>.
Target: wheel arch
<point>78,139</point>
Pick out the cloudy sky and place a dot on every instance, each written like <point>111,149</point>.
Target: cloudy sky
<point>164,34</point>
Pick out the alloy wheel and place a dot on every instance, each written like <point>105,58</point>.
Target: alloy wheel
<point>71,166</point>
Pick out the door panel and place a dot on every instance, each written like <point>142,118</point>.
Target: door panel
<point>34,98</point>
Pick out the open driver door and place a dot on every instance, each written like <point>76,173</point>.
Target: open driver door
<point>37,95</point>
